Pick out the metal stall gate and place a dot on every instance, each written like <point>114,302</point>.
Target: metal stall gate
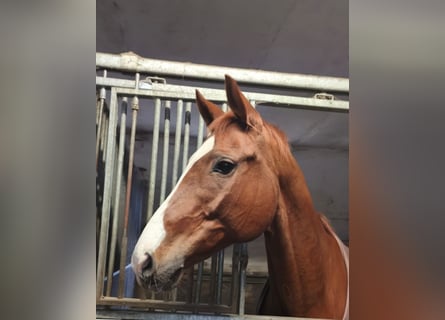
<point>164,118</point>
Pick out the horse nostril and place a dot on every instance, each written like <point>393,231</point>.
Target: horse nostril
<point>147,265</point>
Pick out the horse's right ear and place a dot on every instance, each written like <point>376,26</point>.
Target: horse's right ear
<point>208,110</point>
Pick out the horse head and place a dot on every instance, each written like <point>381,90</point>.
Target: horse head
<point>227,194</point>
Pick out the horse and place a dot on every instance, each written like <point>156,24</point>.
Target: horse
<point>242,182</point>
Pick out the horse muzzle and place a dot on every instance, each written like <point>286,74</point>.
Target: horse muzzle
<point>150,277</point>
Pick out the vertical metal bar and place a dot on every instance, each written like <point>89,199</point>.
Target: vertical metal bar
<point>235,278</point>
<point>167,113</point>
<point>242,290</point>
<point>177,142</point>
<point>220,276</point>
<point>213,277</point>
<point>200,132</point>
<point>102,133</point>
<point>188,117</point>
<point>154,157</point>
<point>135,108</point>
<point>109,165</point>
<point>199,283</point>
<point>188,273</point>
<point>224,107</point>
<point>102,96</point>
<point>97,110</point>
<point>115,222</point>
<point>105,140</point>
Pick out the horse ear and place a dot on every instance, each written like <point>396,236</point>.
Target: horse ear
<point>208,110</point>
<point>240,106</point>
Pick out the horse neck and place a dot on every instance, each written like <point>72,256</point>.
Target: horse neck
<point>299,248</point>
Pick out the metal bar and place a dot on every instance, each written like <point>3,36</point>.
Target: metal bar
<point>213,278</point>
<point>242,289</point>
<point>120,161</point>
<point>105,140</point>
<point>105,218</point>
<point>188,116</point>
<point>131,62</point>
<point>185,92</point>
<point>234,292</point>
<point>224,107</point>
<point>123,262</point>
<point>177,141</point>
<point>188,273</point>
<point>167,113</point>
<point>220,276</point>
<point>144,315</point>
<point>199,282</point>
<point>102,96</point>
<point>200,132</point>
<point>158,304</point>
<point>154,157</point>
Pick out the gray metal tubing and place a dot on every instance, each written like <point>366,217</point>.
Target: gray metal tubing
<point>213,277</point>
<point>104,150</point>
<point>186,92</point>
<point>105,139</point>
<point>154,157</point>
<point>188,273</point>
<point>105,218</point>
<point>242,288</point>
<point>234,292</point>
<point>97,111</point>
<point>188,109</point>
<point>200,131</point>
<point>220,276</point>
<point>123,259</point>
<point>99,124</point>
<point>115,222</point>
<point>131,62</point>
<point>199,282</point>
<point>177,141</point>
<point>165,150</point>
<point>102,134</point>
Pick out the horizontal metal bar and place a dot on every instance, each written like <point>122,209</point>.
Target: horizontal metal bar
<point>188,93</point>
<point>130,61</point>
<point>166,305</point>
<point>146,315</point>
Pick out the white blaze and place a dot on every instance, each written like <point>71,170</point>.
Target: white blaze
<point>154,231</point>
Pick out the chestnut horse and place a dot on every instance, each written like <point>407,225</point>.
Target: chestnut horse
<point>242,182</point>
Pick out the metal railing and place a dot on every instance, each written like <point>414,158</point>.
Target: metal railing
<point>175,128</point>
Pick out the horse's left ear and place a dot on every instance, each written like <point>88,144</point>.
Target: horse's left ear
<point>240,106</point>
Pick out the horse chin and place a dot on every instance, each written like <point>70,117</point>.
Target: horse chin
<point>161,282</point>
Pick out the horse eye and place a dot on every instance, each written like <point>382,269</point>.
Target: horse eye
<point>224,167</point>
